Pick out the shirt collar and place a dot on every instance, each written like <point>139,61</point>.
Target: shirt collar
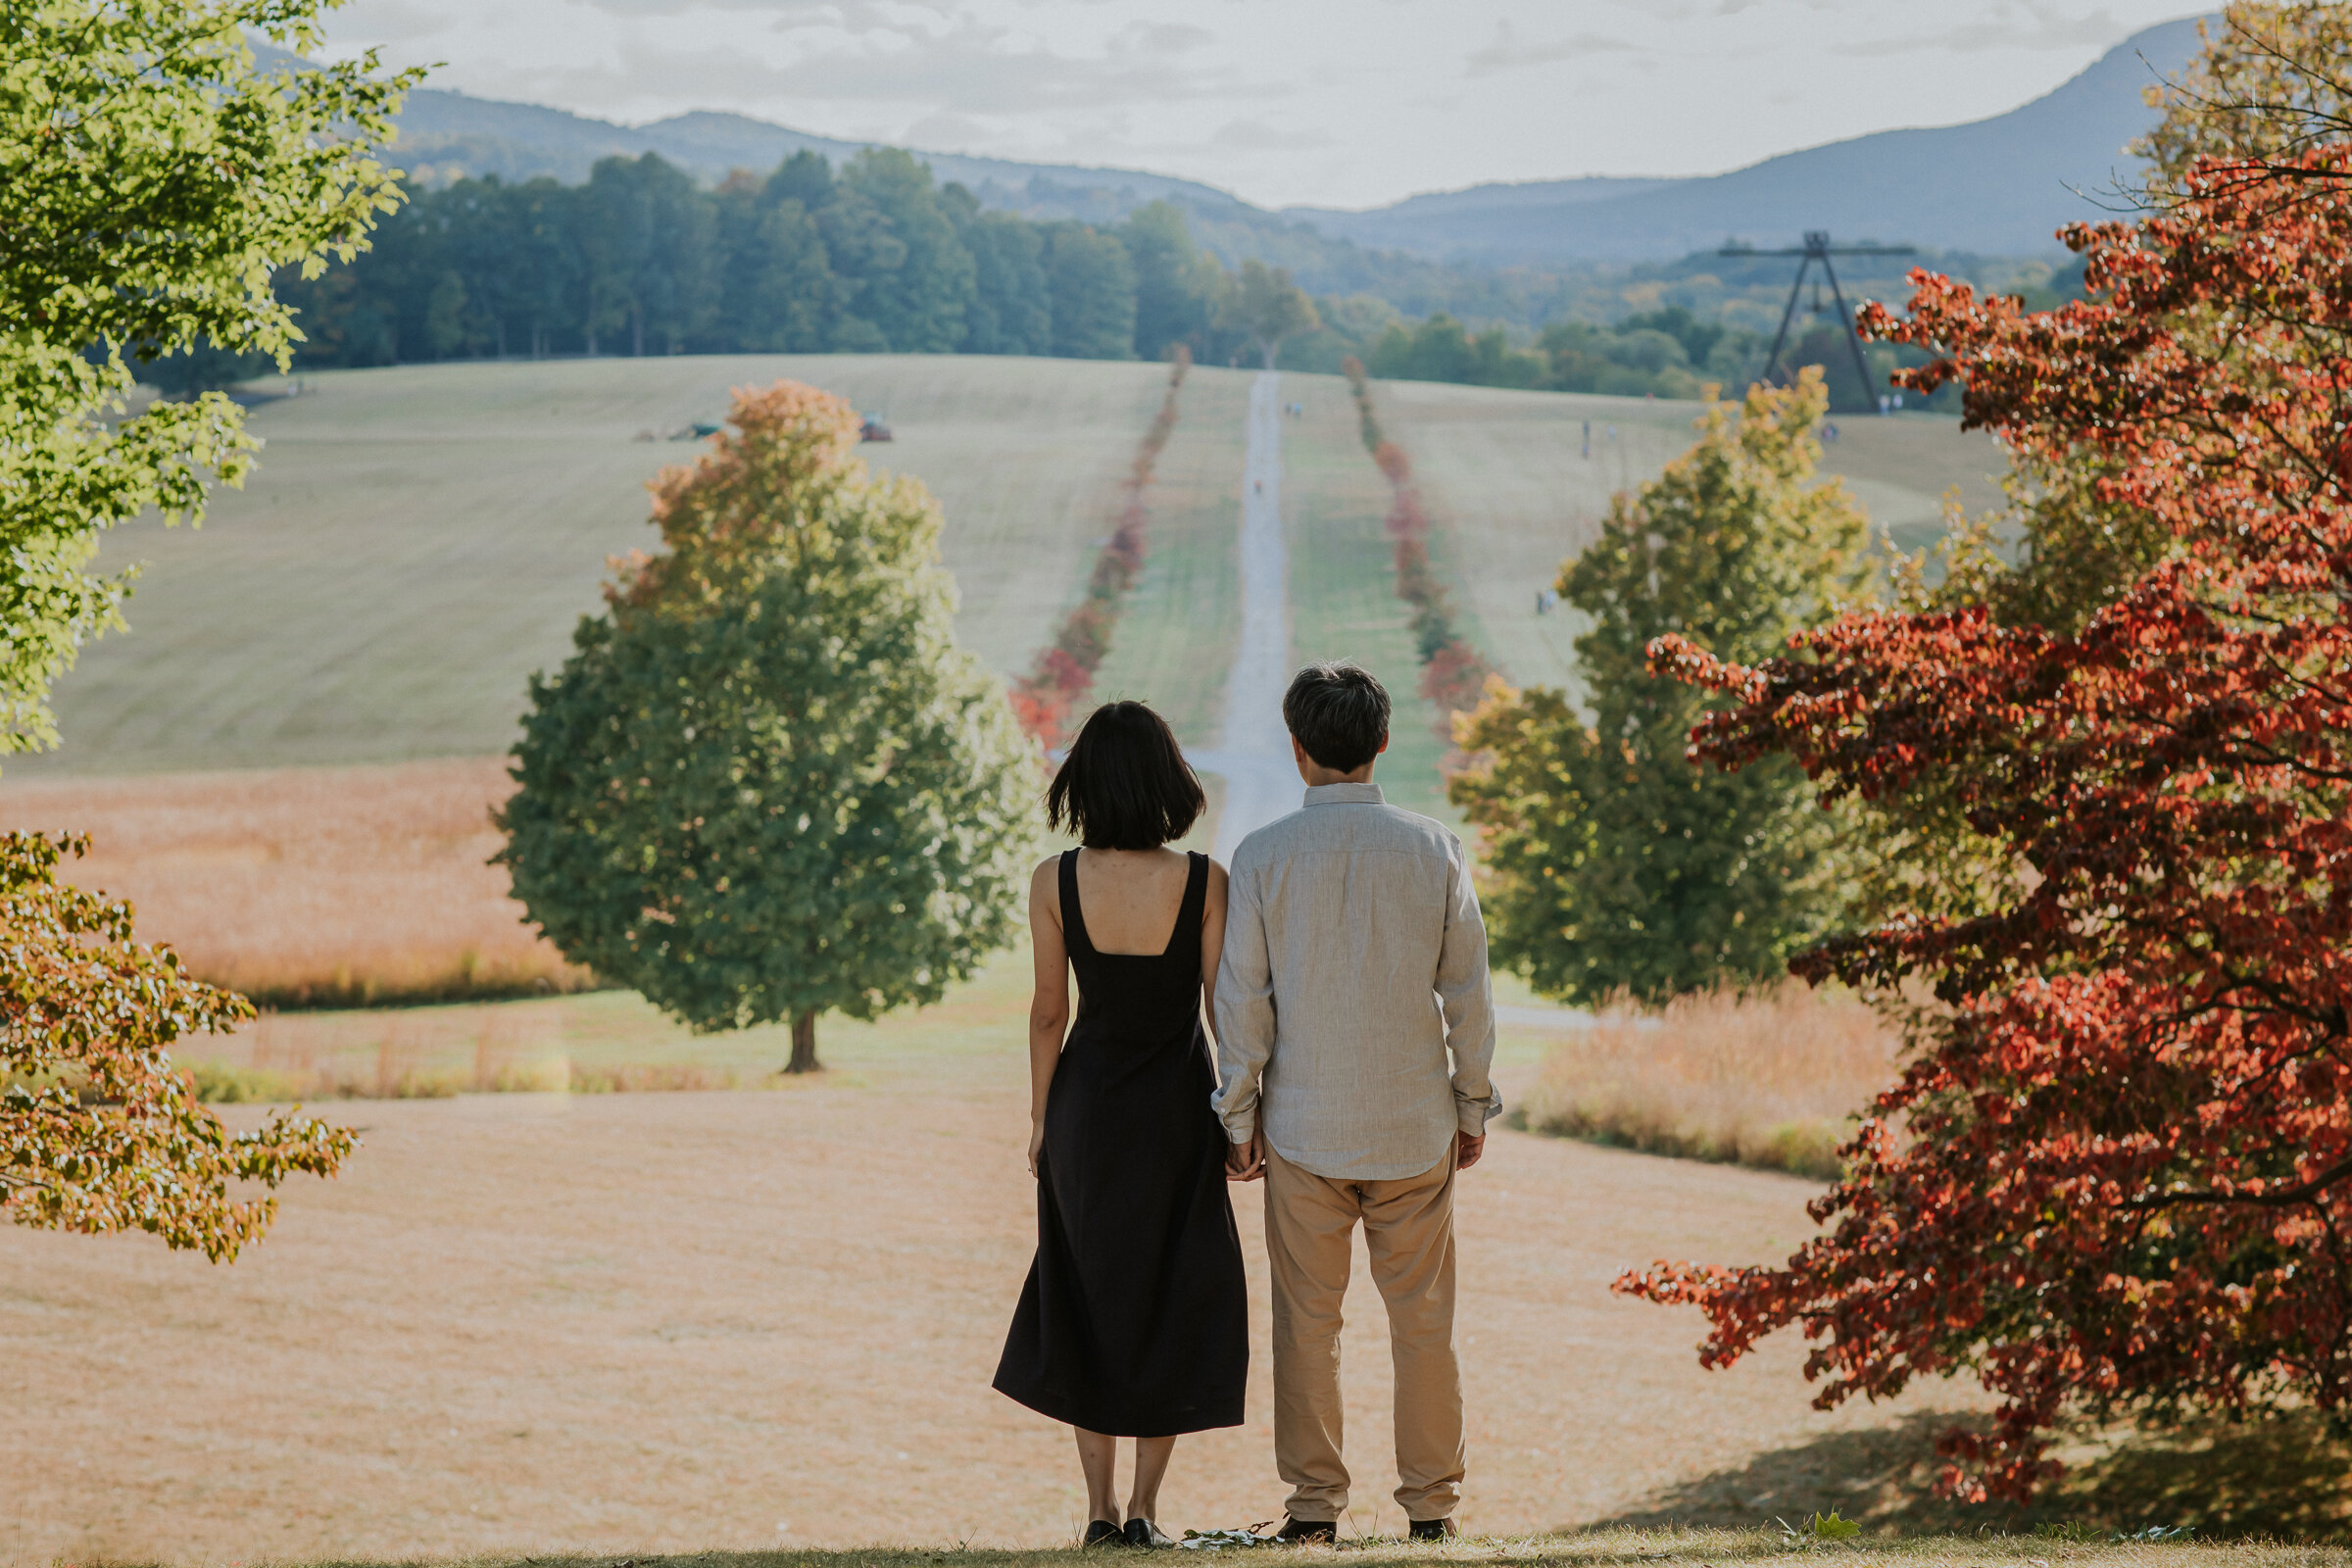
<point>1345,795</point>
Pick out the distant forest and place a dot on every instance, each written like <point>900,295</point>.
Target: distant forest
<point>878,258</point>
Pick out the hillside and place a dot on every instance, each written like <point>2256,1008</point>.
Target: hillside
<point>444,134</point>
<point>418,540</point>
<point>1996,186</point>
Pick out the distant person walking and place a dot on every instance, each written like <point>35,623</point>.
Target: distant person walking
<point>1355,967</point>
<point>1134,1321</point>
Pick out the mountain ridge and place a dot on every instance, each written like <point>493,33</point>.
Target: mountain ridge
<point>2000,185</point>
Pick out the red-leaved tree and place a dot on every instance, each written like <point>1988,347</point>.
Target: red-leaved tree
<point>2117,1172</point>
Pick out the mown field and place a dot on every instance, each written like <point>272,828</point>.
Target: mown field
<point>1514,493</point>
<point>417,541</point>
<point>579,1321</point>
<point>541,1325</point>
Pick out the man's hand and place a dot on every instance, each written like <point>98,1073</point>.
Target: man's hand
<point>1466,1149</point>
<point>1246,1162</point>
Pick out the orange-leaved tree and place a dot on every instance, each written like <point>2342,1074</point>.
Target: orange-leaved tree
<point>2116,1171</point>
<point>97,1131</point>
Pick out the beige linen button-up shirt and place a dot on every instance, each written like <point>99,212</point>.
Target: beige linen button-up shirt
<point>1354,964</point>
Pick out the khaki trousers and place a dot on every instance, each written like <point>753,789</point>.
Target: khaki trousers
<point>1409,1231</point>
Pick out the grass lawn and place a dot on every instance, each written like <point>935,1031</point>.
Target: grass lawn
<point>1514,493</point>
<point>417,541</point>
<point>1174,643</point>
<point>1343,594</point>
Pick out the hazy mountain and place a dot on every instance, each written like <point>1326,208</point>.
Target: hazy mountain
<point>1997,186</point>
<point>445,135</point>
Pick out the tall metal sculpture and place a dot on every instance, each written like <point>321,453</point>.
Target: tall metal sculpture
<point>1817,248</point>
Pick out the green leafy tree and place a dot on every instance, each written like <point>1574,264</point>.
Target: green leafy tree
<point>1092,287</point>
<point>202,366</point>
<point>913,276</point>
<point>648,242</point>
<point>767,782</point>
<point>1012,306</point>
<point>1262,304</point>
<point>1616,863</point>
<point>776,284</point>
<point>1176,284</point>
<point>152,177</point>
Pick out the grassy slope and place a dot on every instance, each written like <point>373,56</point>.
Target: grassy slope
<point>1506,478</point>
<point>1173,645</point>
<point>419,540</point>
<point>1343,594</point>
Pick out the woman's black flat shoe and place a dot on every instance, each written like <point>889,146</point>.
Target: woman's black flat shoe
<point>1143,1533</point>
<point>1103,1532</point>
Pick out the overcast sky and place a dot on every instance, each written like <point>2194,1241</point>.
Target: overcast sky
<point>1348,103</point>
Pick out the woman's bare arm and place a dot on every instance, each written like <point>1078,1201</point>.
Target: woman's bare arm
<point>1049,1001</point>
<point>1244,1162</point>
<point>1212,942</point>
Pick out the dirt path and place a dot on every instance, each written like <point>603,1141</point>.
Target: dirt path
<point>1253,755</point>
<point>617,1323</point>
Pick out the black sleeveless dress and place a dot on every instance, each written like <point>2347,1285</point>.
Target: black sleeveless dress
<point>1134,1321</point>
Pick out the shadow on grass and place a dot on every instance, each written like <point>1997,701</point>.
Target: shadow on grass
<point>2284,1478</point>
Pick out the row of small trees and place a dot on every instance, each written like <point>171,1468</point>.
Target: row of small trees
<point>2084,809</point>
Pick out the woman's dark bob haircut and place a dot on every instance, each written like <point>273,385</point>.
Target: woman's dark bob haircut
<point>1125,784</point>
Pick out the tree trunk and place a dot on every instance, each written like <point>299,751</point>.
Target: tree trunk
<point>637,331</point>
<point>804,1043</point>
<point>1267,346</point>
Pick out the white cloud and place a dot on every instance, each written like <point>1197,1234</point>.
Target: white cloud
<point>1509,52</point>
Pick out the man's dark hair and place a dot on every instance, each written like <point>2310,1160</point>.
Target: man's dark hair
<point>1338,713</point>
<point>1124,784</point>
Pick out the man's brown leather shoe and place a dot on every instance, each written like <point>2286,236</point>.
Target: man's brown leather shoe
<point>1432,1529</point>
<point>1310,1531</point>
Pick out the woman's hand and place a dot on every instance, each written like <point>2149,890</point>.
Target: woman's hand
<point>1037,1144</point>
<point>1246,1162</point>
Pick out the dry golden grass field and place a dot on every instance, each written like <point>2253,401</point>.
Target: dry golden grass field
<point>623,1323</point>
<point>1765,1079</point>
<point>310,886</point>
<point>580,1323</point>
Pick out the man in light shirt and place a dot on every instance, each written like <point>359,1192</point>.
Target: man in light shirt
<point>1355,1026</point>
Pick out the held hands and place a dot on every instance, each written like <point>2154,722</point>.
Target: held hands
<point>1246,1162</point>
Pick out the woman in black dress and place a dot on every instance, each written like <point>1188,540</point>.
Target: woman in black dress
<point>1133,1322</point>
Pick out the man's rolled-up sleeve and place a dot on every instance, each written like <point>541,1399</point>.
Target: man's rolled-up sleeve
<point>1467,995</point>
<point>1245,1009</point>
